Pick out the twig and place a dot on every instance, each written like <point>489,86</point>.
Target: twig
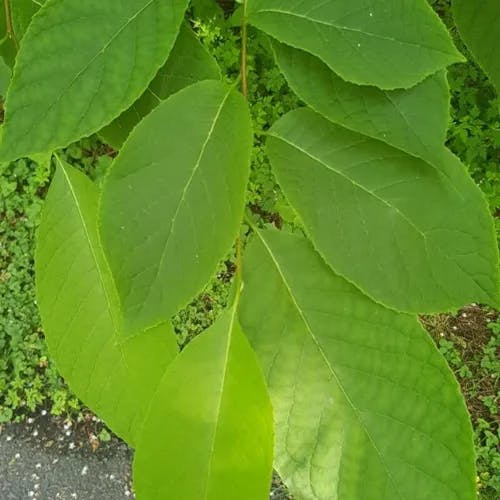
<point>244,87</point>
<point>8,24</point>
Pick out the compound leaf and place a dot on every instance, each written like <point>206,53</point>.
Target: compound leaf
<point>413,236</point>
<point>478,22</point>
<point>188,63</point>
<point>115,376</point>
<point>364,404</point>
<point>414,120</point>
<point>173,200</point>
<point>59,94</point>
<point>361,41</point>
<point>209,431</point>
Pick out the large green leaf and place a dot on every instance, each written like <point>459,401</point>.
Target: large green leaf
<point>188,63</point>
<point>365,406</point>
<point>413,236</point>
<point>173,200</point>
<point>389,44</point>
<point>209,432</point>
<point>59,94</point>
<point>414,120</point>
<point>114,376</point>
<point>478,22</point>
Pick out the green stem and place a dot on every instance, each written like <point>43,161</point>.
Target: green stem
<point>8,24</point>
<point>244,91</point>
<point>244,87</point>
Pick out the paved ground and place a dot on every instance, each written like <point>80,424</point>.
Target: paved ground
<point>46,459</point>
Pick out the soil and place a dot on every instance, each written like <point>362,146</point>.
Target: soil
<point>469,332</point>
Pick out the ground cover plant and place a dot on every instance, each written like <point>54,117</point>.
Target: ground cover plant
<point>284,247</point>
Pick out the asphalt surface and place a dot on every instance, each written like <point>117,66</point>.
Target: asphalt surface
<point>47,459</point>
<point>50,460</point>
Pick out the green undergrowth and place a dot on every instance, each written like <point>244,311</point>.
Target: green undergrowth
<point>28,379</point>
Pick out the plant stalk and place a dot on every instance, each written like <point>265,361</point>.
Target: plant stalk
<point>8,24</point>
<point>244,91</point>
<point>244,86</point>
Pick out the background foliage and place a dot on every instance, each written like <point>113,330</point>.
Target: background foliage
<point>470,340</point>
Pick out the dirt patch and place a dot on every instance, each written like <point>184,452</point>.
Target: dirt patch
<point>468,331</point>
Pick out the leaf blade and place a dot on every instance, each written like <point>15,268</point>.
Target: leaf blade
<point>49,104</point>
<point>200,159</point>
<point>472,17</point>
<point>364,45</point>
<point>361,394</point>
<point>360,202</point>
<point>80,315</point>
<point>230,448</point>
<point>188,63</point>
<point>413,120</point>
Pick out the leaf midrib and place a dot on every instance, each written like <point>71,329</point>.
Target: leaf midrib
<point>357,185</point>
<point>353,30</point>
<point>183,195</point>
<point>326,360</point>
<point>221,397</point>
<point>118,342</point>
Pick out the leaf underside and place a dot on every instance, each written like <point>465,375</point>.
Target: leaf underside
<point>365,406</point>
<point>115,376</point>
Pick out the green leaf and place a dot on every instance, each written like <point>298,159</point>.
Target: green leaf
<point>173,200</point>
<point>5,74</point>
<point>365,406</point>
<point>207,10</point>
<point>414,120</point>
<point>386,44</point>
<point>413,236</point>
<point>209,432</point>
<point>22,14</point>
<point>115,376</point>
<point>188,63</point>
<point>478,22</point>
<point>59,94</point>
